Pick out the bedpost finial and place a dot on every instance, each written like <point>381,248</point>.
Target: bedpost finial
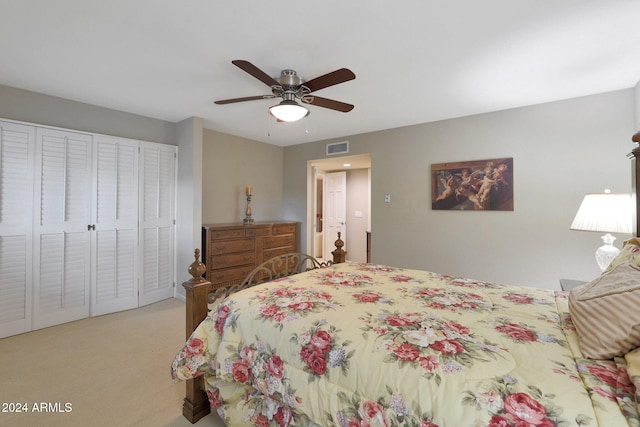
<point>197,268</point>
<point>339,255</point>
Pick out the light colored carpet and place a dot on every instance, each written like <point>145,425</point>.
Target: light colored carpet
<point>111,370</point>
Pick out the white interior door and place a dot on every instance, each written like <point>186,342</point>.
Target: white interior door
<point>62,240</point>
<point>114,285</point>
<point>17,148</point>
<point>157,207</point>
<point>335,201</point>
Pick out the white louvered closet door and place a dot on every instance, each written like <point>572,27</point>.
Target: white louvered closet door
<point>114,285</point>
<point>157,208</point>
<point>62,213</point>
<point>17,147</point>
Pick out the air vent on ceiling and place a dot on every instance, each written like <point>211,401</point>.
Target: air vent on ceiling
<point>337,148</point>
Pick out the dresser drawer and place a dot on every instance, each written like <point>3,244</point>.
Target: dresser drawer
<point>233,233</point>
<point>284,228</point>
<point>228,246</point>
<point>278,241</point>
<point>234,275</point>
<point>230,260</point>
<point>258,231</point>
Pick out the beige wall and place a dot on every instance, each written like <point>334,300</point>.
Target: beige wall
<point>637,107</point>
<point>188,197</point>
<point>230,163</point>
<point>561,151</point>
<point>33,107</point>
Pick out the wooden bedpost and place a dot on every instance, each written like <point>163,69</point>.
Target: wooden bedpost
<point>196,404</point>
<point>339,254</point>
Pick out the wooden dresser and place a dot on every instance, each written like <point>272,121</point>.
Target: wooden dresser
<point>231,251</point>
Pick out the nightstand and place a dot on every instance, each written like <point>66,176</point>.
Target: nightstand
<point>568,284</point>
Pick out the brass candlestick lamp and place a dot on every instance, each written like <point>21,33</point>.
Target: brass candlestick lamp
<point>247,218</point>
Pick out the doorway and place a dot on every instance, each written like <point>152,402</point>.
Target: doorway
<point>334,210</point>
<point>337,204</point>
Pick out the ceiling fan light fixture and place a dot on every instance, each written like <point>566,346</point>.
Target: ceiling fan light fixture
<point>289,111</point>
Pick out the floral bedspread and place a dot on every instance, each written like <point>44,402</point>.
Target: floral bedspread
<point>371,345</point>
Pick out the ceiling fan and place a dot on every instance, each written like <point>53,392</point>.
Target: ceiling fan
<point>290,87</point>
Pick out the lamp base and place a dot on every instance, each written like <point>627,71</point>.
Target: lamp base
<point>607,252</point>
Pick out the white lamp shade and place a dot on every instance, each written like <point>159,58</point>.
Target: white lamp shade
<point>605,212</point>
<point>288,111</point>
<point>608,213</point>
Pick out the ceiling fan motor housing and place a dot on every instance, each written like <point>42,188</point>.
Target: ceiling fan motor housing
<point>290,86</point>
<point>289,78</point>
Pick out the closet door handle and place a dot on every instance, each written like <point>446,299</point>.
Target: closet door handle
<point>91,227</point>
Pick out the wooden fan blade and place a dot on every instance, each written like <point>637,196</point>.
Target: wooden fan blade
<point>333,78</point>
<point>246,98</point>
<point>329,103</point>
<point>255,72</point>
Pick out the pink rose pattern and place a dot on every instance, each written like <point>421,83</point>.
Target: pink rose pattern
<point>465,283</point>
<point>610,381</point>
<point>321,351</point>
<point>635,380</point>
<point>341,279</point>
<point>509,406</point>
<point>387,411</point>
<point>191,361</point>
<point>517,332</point>
<point>376,268</point>
<point>451,300</point>
<point>607,380</point>
<point>371,297</point>
<point>291,303</point>
<point>271,401</point>
<point>432,345</point>
<point>222,315</point>
<point>426,342</point>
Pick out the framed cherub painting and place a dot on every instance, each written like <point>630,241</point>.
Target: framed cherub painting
<point>478,185</point>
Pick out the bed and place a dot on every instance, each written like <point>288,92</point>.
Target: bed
<point>360,344</point>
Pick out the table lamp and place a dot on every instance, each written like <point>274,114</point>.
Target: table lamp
<point>608,213</point>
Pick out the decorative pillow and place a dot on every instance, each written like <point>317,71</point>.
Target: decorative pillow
<point>606,312</point>
<point>630,254</point>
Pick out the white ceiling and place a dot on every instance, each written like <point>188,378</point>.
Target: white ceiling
<point>415,61</point>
